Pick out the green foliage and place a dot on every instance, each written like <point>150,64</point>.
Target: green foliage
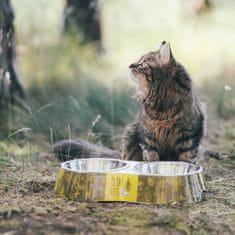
<point>67,93</point>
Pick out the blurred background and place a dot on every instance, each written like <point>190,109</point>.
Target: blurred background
<point>77,82</point>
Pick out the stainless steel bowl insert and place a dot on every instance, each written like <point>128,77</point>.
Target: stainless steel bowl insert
<point>94,165</point>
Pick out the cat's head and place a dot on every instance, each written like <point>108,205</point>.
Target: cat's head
<point>152,67</point>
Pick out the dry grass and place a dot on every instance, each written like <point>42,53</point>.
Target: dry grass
<point>30,206</point>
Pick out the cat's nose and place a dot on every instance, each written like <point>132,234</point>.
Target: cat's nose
<point>132,66</point>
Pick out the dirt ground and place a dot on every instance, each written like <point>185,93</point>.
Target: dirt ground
<point>28,204</point>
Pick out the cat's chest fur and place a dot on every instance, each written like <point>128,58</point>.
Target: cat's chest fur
<point>159,134</point>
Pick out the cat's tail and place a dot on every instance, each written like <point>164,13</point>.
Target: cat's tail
<point>70,149</point>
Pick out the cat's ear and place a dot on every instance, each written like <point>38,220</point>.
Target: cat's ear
<point>165,53</point>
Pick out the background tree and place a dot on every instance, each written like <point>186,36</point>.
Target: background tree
<point>197,7</point>
<point>202,6</point>
<point>83,16</point>
<point>9,75</point>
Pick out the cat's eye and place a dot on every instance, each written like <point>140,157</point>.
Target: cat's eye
<point>145,64</point>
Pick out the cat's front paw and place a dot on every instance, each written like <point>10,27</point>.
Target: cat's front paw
<point>191,156</point>
<point>150,156</point>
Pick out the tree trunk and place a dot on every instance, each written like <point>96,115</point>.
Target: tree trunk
<point>9,75</point>
<point>194,8</point>
<point>202,6</point>
<point>83,16</point>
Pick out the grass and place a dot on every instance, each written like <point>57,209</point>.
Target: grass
<point>30,206</point>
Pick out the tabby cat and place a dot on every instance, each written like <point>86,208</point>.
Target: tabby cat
<point>169,126</point>
<point>170,123</point>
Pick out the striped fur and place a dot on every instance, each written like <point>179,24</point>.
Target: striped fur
<point>170,123</point>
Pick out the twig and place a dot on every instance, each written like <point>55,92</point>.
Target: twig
<point>218,155</point>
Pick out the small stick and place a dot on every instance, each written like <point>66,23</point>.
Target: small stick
<point>218,155</point>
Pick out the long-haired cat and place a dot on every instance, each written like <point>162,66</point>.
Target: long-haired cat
<point>169,126</point>
<point>170,123</point>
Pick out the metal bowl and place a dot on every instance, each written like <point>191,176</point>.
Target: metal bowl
<point>167,168</point>
<point>174,182</point>
<point>116,180</point>
<point>94,165</point>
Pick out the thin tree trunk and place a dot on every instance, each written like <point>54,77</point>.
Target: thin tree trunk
<point>11,85</point>
<point>83,16</point>
<point>202,6</point>
<point>192,8</point>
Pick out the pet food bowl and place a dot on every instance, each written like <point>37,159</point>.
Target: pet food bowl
<point>97,179</point>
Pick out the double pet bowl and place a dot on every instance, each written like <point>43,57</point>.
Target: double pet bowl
<point>97,179</point>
